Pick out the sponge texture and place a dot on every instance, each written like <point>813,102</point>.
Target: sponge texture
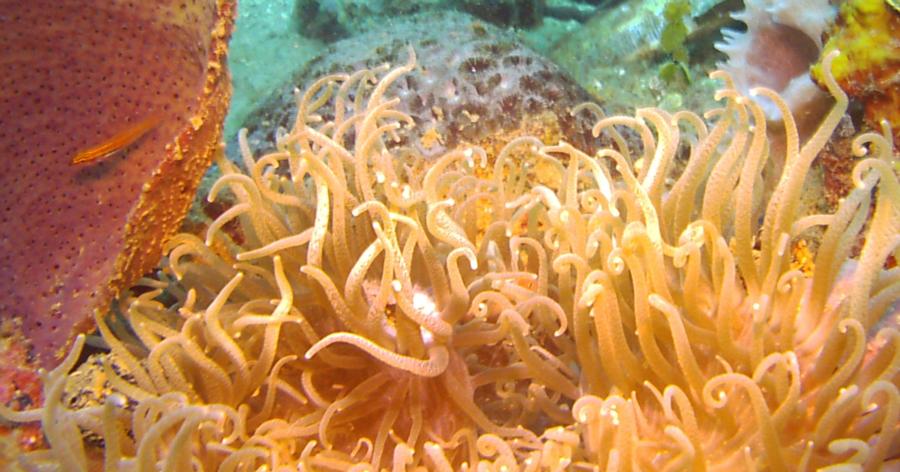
<point>73,74</point>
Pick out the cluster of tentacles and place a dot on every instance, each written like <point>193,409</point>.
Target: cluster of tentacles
<point>358,307</point>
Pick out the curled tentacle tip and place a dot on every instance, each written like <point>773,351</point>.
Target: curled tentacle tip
<point>311,352</point>
<point>116,400</point>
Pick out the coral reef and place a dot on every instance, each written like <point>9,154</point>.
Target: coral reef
<point>75,75</point>
<point>869,68</point>
<point>783,39</point>
<point>520,312</point>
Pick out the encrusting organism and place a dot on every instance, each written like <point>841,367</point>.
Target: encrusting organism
<point>869,66</point>
<point>348,313</point>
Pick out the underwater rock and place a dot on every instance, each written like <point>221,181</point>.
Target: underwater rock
<point>139,89</point>
<point>314,19</point>
<point>514,13</point>
<point>486,84</point>
<point>330,21</point>
<point>570,10</point>
<point>616,55</point>
<point>868,69</point>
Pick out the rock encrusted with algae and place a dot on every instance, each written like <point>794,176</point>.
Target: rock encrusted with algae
<point>867,32</point>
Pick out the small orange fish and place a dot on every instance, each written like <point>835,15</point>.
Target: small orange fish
<point>119,141</point>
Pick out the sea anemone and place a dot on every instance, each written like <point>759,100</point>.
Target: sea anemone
<point>542,309</point>
<point>783,39</point>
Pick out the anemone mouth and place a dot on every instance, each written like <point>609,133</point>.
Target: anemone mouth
<point>778,54</point>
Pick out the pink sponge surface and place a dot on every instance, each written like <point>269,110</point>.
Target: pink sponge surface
<point>73,74</point>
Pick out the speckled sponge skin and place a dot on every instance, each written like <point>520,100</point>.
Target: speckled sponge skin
<point>73,75</point>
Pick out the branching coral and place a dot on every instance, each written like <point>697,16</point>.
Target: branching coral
<point>618,315</point>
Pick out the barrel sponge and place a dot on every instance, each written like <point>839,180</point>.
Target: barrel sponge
<point>783,39</point>
<point>73,74</point>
